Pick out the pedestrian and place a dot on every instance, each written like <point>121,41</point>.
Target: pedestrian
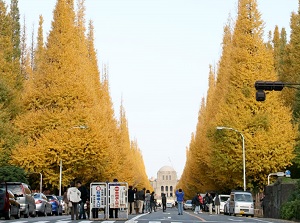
<point>140,197</point>
<point>147,201</point>
<point>152,202</point>
<point>201,203</point>
<point>196,202</point>
<point>114,210</point>
<point>84,197</point>
<point>66,203</point>
<point>73,195</point>
<point>180,198</point>
<point>217,204</point>
<point>164,202</point>
<point>131,199</point>
<point>209,202</point>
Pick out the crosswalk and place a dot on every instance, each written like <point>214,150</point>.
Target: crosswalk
<point>83,221</point>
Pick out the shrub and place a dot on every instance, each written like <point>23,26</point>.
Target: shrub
<point>291,209</point>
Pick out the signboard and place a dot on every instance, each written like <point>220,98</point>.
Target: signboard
<point>118,196</point>
<point>98,195</point>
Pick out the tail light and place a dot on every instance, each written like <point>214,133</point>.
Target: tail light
<point>23,190</point>
<point>38,202</point>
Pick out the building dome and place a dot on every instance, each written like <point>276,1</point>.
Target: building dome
<point>166,168</point>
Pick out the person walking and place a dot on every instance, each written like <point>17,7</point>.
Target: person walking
<point>180,198</point>
<point>152,202</point>
<point>217,204</point>
<point>147,201</point>
<point>84,197</point>
<point>164,202</point>
<point>201,203</point>
<point>196,202</point>
<point>73,195</point>
<point>131,199</point>
<point>209,202</point>
<point>140,197</point>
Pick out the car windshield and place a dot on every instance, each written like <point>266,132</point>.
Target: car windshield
<point>223,199</point>
<point>244,197</point>
<point>36,196</point>
<point>50,197</point>
<point>15,188</point>
<point>188,202</point>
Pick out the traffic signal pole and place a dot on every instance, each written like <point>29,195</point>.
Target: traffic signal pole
<point>262,86</point>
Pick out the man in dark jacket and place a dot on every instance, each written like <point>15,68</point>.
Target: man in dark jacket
<point>130,199</point>
<point>196,202</point>
<point>217,204</point>
<point>84,197</point>
<point>164,202</point>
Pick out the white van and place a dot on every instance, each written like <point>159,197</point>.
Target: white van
<point>241,203</point>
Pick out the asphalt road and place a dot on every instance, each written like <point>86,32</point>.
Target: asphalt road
<point>170,216</point>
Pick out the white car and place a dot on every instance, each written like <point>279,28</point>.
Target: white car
<point>188,205</point>
<point>169,205</point>
<point>223,198</point>
<point>226,207</point>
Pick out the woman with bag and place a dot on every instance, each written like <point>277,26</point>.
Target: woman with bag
<point>73,195</point>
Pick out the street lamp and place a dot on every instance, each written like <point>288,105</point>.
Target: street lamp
<point>60,163</point>
<point>243,145</point>
<point>41,183</point>
<point>279,174</point>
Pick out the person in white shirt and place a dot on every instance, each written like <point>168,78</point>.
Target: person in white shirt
<point>73,195</point>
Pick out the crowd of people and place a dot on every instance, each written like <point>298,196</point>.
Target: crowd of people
<point>205,203</point>
<point>139,201</point>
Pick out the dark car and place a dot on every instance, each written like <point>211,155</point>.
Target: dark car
<point>56,205</point>
<point>9,206</point>
<point>22,192</point>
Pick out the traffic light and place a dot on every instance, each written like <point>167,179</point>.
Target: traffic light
<point>260,95</point>
<point>269,85</point>
<point>262,86</point>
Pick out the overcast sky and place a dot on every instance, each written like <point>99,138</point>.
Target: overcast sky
<point>158,52</point>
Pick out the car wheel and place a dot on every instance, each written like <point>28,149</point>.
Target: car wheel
<point>26,212</point>
<point>45,212</point>
<point>33,214</point>
<point>18,215</point>
<point>8,214</point>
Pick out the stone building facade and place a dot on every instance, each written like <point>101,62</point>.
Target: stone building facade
<point>165,182</point>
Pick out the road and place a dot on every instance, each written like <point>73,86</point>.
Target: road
<point>170,216</point>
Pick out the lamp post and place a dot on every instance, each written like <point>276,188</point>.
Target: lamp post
<point>279,174</point>
<point>243,146</point>
<point>41,183</point>
<point>60,163</point>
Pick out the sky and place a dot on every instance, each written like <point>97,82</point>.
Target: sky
<point>158,53</point>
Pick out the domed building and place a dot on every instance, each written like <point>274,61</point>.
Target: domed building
<point>165,183</point>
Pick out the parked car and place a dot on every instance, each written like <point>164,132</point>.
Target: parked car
<point>60,198</point>
<point>169,205</point>
<point>241,203</point>
<point>56,205</point>
<point>9,206</point>
<point>22,192</point>
<point>188,205</point>
<point>223,198</point>
<point>43,206</point>
<point>226,207</point>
